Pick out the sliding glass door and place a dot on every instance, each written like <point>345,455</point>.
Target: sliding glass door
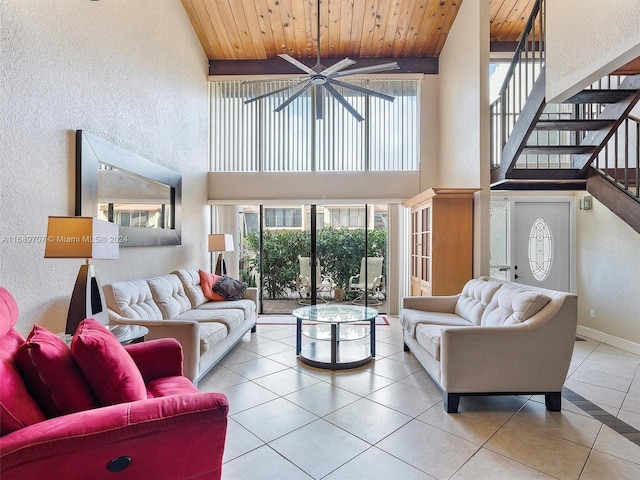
<point>314,254</point>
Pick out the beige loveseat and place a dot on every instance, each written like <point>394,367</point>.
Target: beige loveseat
<point>174,306</point>
<point>494,338</point>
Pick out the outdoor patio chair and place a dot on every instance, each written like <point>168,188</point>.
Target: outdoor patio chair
<point>374,287</point>
<point>324,283</point>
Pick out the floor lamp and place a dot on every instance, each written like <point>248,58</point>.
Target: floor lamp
<point>221,242</point>
<point>83,237</point>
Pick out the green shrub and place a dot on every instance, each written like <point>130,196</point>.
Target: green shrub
<point>339,252</point>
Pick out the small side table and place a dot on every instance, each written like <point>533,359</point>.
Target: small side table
<point>128,333</point>
<point>125,334</point>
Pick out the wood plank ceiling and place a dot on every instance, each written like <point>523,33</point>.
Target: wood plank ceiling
<point>231,30</point>
<point>261,29</point>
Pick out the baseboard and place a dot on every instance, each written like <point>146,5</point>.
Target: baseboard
<point>617,342</point>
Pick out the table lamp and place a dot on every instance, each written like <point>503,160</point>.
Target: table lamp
<point>221,242</point>
<point>83,237</point>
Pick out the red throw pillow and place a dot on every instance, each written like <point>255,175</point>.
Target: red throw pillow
<point>110,371</point>
<point>51,375</point>
<point>207,282</point>
<point>17,408</point>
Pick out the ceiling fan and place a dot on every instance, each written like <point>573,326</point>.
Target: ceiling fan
<point>322,79</point>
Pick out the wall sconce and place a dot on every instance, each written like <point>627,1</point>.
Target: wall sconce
<point>83,237</point>
<point>586,203</point>
<point>221,242</point>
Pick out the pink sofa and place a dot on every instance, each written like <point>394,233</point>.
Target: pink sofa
<point>175,433</point>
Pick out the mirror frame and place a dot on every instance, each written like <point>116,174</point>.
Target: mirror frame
<point>91,150</point>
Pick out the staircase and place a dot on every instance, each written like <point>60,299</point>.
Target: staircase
<point>589,141</point>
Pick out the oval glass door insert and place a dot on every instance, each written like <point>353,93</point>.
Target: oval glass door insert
<point>540,249</point>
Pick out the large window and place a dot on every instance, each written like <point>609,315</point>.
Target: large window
<point>283,217</point>
<point>254,138</point>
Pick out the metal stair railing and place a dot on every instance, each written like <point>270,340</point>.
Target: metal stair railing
<point>619,161</point>
<point>527,64</point>
<point>553,137</point>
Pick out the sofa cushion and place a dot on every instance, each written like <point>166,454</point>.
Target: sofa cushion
<point>474,298</point>
<point>428,336</point>
<point>410,319</point>
<point>247,306</point>
<point>512,305</point>
<point>208,281</point>
<point>211,333</point>
<point>132,299</point>
<point>51,375</point>
<point>230,288</point>
<point>231,318</point>
<point>17,408</point>
<point>110,371</point>
<point>168,293</point>
<point>190,279</point>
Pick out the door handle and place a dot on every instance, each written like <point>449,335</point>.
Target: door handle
<point>504,269</point>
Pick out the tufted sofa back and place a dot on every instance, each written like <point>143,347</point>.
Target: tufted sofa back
<point>132,299</point>
<point>474,298</point>
<point>511,305</point>
<point>168,293</point>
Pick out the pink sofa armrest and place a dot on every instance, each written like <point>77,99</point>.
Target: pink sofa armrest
<point>171,437</point>
<point>157,358</point>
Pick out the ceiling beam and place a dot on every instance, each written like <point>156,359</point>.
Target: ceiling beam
<point>277,66</point>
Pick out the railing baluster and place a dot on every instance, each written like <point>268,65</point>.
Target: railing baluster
<point>637,159</point>
<point>626,154</point>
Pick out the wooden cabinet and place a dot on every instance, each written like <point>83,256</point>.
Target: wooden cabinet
<point>441,240</point>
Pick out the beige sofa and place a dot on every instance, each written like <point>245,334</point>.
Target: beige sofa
<point>494,338</point>
<point>174,306</point>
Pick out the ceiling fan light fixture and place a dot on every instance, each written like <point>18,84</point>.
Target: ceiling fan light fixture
<point>319,78</point>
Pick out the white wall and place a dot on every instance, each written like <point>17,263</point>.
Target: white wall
<point>586,40</point>
<point>464,113</point>
<point>608,255</point>
<point>132,72</point>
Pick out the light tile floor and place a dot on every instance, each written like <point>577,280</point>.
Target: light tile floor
<point>385,421</point>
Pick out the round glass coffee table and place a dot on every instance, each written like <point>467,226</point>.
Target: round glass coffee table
<point>335,334</point>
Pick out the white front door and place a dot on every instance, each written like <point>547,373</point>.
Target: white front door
<point>542,250</point>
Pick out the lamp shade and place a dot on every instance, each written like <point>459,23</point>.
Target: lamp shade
<point>81,237</point>
<point>221,242</point>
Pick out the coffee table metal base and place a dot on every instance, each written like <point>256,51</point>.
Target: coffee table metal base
<point>335,354</point>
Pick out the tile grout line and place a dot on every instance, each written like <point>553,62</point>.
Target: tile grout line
<point>611,421</point>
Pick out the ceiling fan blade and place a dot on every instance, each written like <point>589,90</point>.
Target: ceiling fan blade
<point>267,80</point>
<point>297,63</point>
<point>343,101</point>
<point>319,103</point>
<point>273,92</point>
<point>366,91</point>
<point>293,96</point>
<point>344,63</point>
<point>370,69</point>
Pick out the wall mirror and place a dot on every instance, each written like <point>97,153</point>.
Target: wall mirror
<point>116,185</point>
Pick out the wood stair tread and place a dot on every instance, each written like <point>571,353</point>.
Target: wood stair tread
<point>557,149</point>
<point>576,125</point>
<point>600,96</point>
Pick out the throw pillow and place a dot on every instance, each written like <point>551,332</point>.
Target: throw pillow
<point>108,368</point>
<point>51,376</point>
<point>207,282</point>
<point>230,288</point>
<point>18,409</point>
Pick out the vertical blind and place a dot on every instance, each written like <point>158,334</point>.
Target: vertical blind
<point>253,138</point>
